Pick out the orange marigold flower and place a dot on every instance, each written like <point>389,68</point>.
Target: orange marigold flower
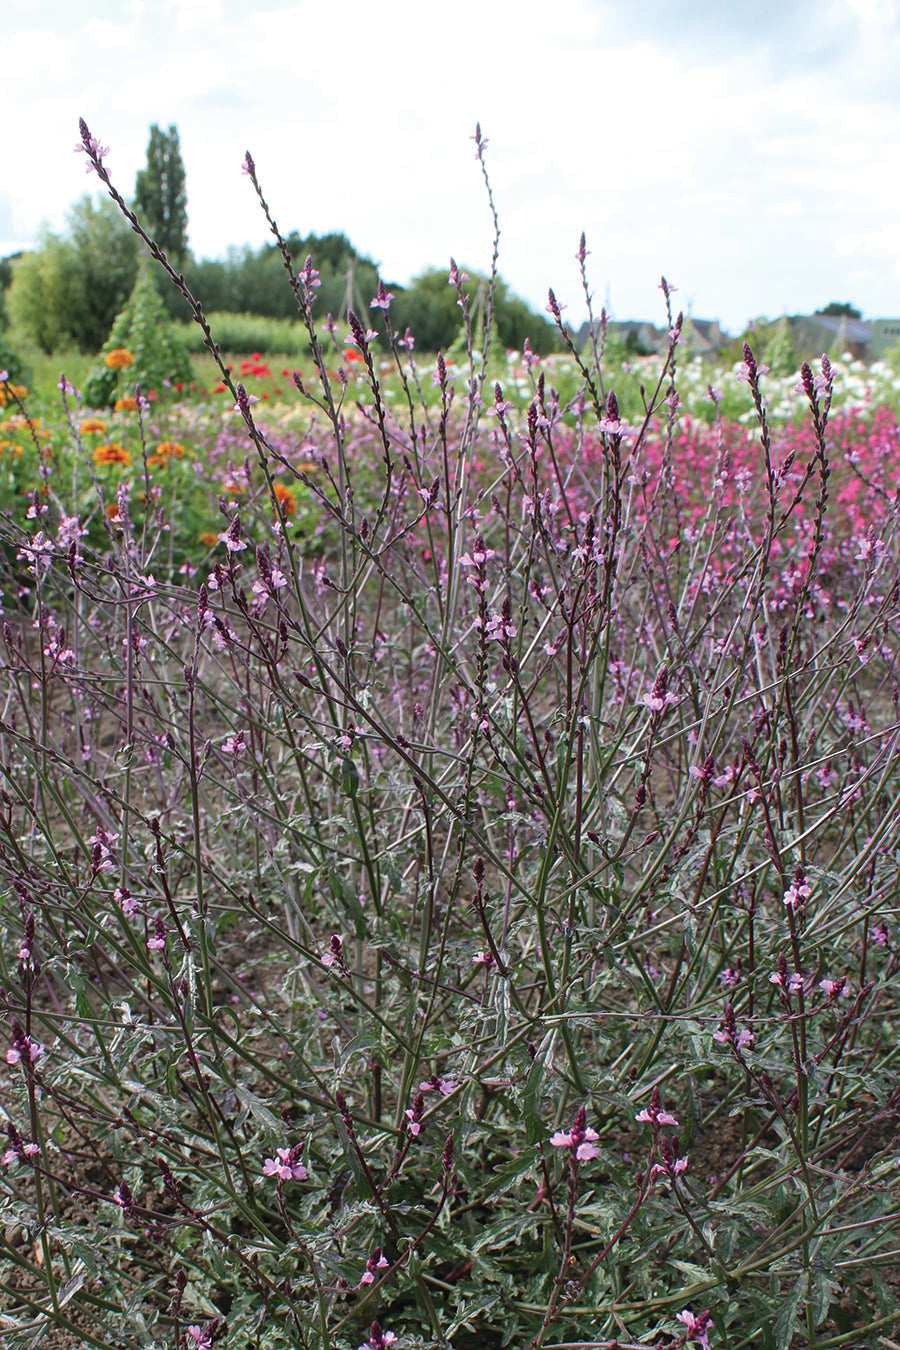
<point>118,358</point>
<point>93,426</point>
<point>126,404</point>
<point>286,498</point>
<point>210,540</point>
<point>112,453</point>
<point>173,449</point>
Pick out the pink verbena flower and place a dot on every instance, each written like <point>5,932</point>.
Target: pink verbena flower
<point>286,1165</point>
<point>91,147</point>
<point>659,697</point>
<point>23,1050</point>
<point>231,537</point>
<point>792,984</point>
<point>377,1261</point>
<point>382,299</point>
<point>442,1085</point>
<point>378,1339</point>
<point>123,1198</point>
<point>729,1034</point>
<point>655,1115</point>
<point>309,276</point>
<point>794,895</point>
<point>696,1326</point>
<point>158,941</point>
<point>414,1115</point>
<point>126,901</point>
<point>335,955</point>
<point>581,1139</point>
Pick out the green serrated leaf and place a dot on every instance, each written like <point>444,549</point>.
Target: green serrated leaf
<point>257,1109</point>
<point>787,1321</point>
<point>531,1097</point>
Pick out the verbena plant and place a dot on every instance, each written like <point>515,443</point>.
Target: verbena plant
<point>477,926</point>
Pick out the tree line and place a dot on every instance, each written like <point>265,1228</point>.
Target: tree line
<point>69,289</point>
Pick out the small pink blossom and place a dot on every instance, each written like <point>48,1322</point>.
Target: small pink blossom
<point>655,1115</point>
<point>285,1166</point>
<point>674,1168</point>
<point>382,299</point>
<point>581,1139</point>
<point>729,1034</point>
<point>656,702</point>
<point>798,892</point>
<point>158,941</point>
<point>791,985</point>
<point>25,1049</point>
<point>377,1261</point>
<point>378,1339</point>
<point>414,1115</point>
<point>309,276</point>
<point>696,1327</point>
<point>479,556</point>
<point>90,146</point>
<point>442,1085</point>
<point>335,955</point>
<point>231,537</point>
<point>744,372</point>
<point>126,901</point>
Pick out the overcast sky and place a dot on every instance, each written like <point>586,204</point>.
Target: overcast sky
<point>748,152</point>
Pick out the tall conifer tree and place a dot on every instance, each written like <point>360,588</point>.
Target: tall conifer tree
<point>160,196</point>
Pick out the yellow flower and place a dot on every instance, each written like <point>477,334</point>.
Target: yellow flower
<point>118,358</point>
<point>93,426</point>
<point>170,449</point>
<point>13,391</point>
<point>126,404</point>
<point>286,498</point>
<point>112,453</point>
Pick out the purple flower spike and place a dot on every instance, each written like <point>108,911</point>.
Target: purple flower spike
<point>91,147</point>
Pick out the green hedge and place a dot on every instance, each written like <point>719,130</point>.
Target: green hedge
<point>246,333</point>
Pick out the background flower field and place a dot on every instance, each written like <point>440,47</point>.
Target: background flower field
<point>449,827</point>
